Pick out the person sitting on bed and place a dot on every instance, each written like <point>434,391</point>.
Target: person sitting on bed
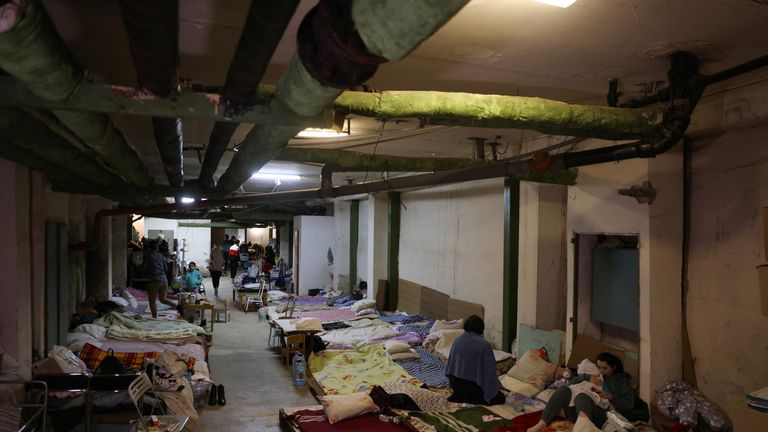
<point>194,279</point>
<point>613,385</point>
<point>471,369</point>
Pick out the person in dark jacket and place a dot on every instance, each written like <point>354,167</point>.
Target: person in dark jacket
<point>155,267</point>
<point>613,385</point>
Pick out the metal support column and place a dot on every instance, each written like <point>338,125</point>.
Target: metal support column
<point>511,253</point>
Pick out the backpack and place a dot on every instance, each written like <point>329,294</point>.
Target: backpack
<point>111,365</point>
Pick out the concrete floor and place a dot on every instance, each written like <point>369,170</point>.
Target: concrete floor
<point>256,383</point>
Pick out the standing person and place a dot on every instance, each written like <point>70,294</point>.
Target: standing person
<point>225,250</point>
<point>155,269</point>
<point>613,385</point>
<point>471,369</point>
<point>234,258</point>
<point>216,266</point>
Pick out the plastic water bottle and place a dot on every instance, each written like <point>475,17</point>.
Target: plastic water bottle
<point>299,370</point>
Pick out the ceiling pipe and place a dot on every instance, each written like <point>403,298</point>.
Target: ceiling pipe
<point>264,27</point>
<point>340,45</point>
<point>153,33</point>
<point>32,51</point>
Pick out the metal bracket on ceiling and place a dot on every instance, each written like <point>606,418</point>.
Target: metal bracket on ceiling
<point>644,194</point>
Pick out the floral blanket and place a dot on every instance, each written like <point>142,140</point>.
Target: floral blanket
<point>137,327</point>
<point>349,371</point>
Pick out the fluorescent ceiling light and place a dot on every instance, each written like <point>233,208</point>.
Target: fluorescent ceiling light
<point>558,3</point>
<point>321,133</point>
<point>276,177</point>
<point>187,200</point>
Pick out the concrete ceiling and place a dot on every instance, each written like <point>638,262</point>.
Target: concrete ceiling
<point>514,47</point>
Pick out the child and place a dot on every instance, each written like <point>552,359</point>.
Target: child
<point>194,279</point>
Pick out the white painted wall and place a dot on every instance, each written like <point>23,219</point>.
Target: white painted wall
<point>377,225</point>
<point>362,242</point>
<point>316,234</point>
<point>257,235</point>
<point>198,242</point>
<point>341,213</point>
<point>451,240</point>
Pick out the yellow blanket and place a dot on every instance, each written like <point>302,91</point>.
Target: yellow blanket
<point>350,371</point>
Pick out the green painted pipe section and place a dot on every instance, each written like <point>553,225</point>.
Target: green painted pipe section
<point>393,250</point>
<point>345,161</point>
<point>33,52</point>
<point>21,129</point>
<point>354,227</point>
<point>408,23</point>
<point>496,111</point>
<point>511,254</point>
<point>302,93</point>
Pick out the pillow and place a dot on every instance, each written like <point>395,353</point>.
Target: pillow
<point>366,312</point>
<point>587,367</point>
<point>363,304</point>
<point>131,299</point>
<point>583,424</point>
<point>533,370</point>
<point>396,346</point>
<point>340,407</point>
<point>119,300</point>
<point>410,354</point>
<point>515,385</point>
<point>447,325</point>
<point>94,330</point>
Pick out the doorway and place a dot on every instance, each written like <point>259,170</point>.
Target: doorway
<point>607,288</point>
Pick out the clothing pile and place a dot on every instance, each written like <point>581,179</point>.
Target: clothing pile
<point>678,400</point>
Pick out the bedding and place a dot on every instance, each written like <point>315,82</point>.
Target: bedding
<point>137,327</point>
<point>428,401</point>
<point>470,419</point>
<point>352,336</point>
<point>534,370</point>
<point>420,329</point>
<point>314,420</point>
<point>515,385</point>
<point>306,300</point>
<point>340,407</point>
<point>192,349</point>
<point>349,371</point>
<point>428,369</point>
<point>327,315</point>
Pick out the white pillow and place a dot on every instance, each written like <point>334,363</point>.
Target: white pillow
<point>363,304</point>
<point>119,300</point>
<point>410,354</point>
<point>586,367</point>
<point>534,370</point>
<point>94,330</point>
<point>447,325</point>
<point>131,299</point>
<point>340,407</point>
<point>366,312</point>
<point>396,346</point>
<point>583,424</point>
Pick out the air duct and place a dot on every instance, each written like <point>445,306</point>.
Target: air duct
<point>264,27</point>
<point>31,51</point>
<point>153,32</point>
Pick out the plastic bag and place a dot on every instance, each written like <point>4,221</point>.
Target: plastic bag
<point>67,361</point>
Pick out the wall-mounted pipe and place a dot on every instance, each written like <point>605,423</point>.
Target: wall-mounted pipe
<point>153,32</point>
<point>304,87</point>
<point>264,27</point>
<point>32,51</point>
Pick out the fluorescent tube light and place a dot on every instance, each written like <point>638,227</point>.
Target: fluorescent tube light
<point>558,3</point>
<point>275,177</point>
<point>321,133</point>
<point>187,200</point>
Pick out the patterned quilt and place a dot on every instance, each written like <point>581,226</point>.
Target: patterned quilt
<point>349,371</point>
<point>327,315</point>
<point>429,369</point>
<point>120,326</point>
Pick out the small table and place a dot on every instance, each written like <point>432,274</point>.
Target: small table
<point>202,307</point>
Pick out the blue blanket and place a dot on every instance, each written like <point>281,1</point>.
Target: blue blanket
<point>428,369</point>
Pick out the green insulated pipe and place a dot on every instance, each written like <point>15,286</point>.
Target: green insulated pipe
<point>496,111</point>
<point>31,51</point>
<point>305,96</point>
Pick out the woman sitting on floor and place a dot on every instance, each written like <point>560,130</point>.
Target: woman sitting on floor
<point>612,385</point>
<point>471,367</point>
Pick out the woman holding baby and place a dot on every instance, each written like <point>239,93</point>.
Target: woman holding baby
<point>611,386</point>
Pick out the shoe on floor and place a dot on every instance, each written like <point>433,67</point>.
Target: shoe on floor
<point>213,398</point>
<point>222,399</point>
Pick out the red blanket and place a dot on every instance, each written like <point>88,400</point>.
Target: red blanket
<point>315,421</point>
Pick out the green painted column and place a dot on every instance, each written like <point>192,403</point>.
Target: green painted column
<point>511,253</point>
<point>354,226</point>
<point>393,250</point>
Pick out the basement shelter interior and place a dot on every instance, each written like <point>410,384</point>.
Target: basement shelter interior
<point>384,215</point>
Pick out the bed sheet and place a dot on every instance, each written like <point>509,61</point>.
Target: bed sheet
<point>136,327</point>
<point>194,350</point>
<point>353,336</point>
<point>349,371</point>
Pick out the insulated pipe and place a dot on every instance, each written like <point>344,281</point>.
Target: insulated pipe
<point>153,32</point>
<point>329,28</point>
<point>31,51</point>
<point>264,27</point>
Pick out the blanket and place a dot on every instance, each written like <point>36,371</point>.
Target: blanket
<point>327,315</point>
<point>471,419</point>
<point>349,371</point>
<point>121,326</point>
<point>428,368</point>
<point>352,336</point>
<point>315,421</point>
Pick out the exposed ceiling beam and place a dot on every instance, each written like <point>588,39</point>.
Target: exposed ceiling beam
<point>187,104</point>
<point>32,51</point>
<point>348,161</point>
